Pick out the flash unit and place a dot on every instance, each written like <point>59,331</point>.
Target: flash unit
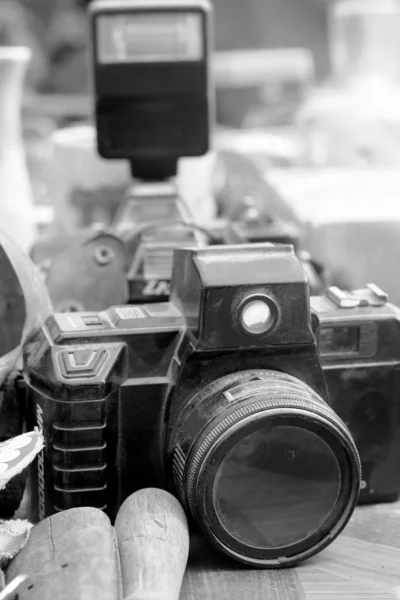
<point>151,82</point>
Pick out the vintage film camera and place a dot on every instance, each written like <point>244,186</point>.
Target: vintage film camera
<point>153,106</point>
<point>233,395</point>
<point>145,214</point>
<point>93,269</point>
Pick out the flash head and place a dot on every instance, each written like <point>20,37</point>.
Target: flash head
<point>151,82</point>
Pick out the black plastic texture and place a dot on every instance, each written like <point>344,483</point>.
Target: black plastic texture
<point>216,280</point>
<point>363,383</point>
<point>87,396</point>
<point>106,378</point>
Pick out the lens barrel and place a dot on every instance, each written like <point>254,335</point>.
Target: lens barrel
<point>265,467</point>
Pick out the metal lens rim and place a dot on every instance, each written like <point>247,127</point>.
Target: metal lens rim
<point>349,486</point>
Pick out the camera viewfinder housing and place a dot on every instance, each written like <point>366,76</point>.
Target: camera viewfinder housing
<point>218,283</point>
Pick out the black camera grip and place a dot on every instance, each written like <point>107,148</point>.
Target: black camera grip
<point>11,425</point>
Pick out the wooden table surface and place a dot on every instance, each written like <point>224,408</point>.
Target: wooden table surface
<point>363,563</point>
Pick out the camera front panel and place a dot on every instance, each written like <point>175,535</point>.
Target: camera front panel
<point>77,464</point>
<point>247,296</point>
<point>97,388</point>
<point>100,450</point>
<point>358,342</point>
<point>255,316</point>
<point>140,457</point>
<point>366,397</point>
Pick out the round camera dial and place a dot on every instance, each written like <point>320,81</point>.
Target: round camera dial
<point>257,314</point>
<point>103,255</point>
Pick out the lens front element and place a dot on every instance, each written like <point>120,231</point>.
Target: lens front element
<point>272,475</point>
<point>277,486</point>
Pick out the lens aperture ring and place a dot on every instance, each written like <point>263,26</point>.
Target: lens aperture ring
<point>284,404</point>
<point>262,402</point>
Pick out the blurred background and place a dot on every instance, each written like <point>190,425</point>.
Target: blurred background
<point>307,100</point>
<point>57,33</point>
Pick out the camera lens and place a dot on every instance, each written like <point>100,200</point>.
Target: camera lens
<point>265,467</point>
<point>267,492</point>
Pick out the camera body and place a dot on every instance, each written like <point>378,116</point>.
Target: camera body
<point>120,395</point>
<point>359,350</point>
<point>152,221</point>
<point>132,261</point>
<point>155,220</point>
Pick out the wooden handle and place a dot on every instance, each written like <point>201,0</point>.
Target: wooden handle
<point>71,555</point>
<point>153,538</point>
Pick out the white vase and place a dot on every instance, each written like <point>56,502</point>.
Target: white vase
<point>16,199</point>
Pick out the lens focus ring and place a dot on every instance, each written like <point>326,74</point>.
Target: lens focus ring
<point>232,405</point>
<point>278,402</point>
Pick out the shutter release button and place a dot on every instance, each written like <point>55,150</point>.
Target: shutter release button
<point>92,321</point>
